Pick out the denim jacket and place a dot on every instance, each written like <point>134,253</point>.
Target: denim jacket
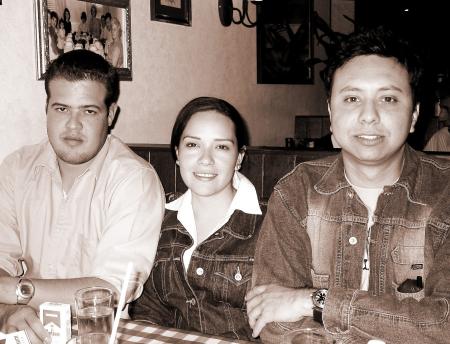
<point>209,298</point>
<point>314,233</point>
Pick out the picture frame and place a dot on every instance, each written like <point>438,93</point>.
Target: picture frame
<point>285,42</point>
<point>171,11</point>
<point>45,35</point>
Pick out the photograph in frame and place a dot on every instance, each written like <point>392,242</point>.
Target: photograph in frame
<point>171,11</point>
<point>101,26</point>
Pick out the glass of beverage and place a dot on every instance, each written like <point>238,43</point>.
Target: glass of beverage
<point>305,336</point>
<point>90,338</point>
<point>94,312</point>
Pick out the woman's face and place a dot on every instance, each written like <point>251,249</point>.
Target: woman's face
<point>115,30</point>
<point>66,15</point>
<point>208,154</point>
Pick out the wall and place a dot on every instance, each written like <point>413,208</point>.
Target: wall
<point>171,65</point>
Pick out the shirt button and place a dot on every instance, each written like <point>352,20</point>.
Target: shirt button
<point>352,240</point>
<point>199,271</point>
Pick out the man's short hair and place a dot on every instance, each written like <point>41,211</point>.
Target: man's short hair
<point>378,41</point>
<point>78,65</point>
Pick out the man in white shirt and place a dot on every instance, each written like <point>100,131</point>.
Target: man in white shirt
<point>76,208</point>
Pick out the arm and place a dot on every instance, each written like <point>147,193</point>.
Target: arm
<point>281,292</point>
<point>149,307</point>
<point>131,233</point>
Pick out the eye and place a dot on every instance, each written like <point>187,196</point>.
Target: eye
<point>90,112</point>
<point>60,109</point>
<point>223,147</point>
<point>389,99</point>
<point>351,99</point>
<point>191,144</point>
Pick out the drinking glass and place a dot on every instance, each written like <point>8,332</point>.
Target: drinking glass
<point>91,338</point>
<point>305,336</point>
<point>94,312</point>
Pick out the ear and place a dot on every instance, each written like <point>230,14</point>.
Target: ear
<point>415,116</point>
<point>240,157</point>
<point>112,113</point>
<point>176,153</point>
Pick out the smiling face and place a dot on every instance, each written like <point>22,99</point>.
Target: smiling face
<point>208,154</point>
<point>77,119</point>
<point>371,110</point>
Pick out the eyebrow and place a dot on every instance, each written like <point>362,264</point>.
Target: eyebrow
<point>82,107</point>
<point>357,89</point>
<point>198,138</point>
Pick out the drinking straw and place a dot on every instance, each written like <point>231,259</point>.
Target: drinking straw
<point>121,304</point>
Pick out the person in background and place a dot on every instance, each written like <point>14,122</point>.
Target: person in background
<point>440,141</point>
<point>83,27</point>
<point>61,33</point>
<point>53,36</point>
<point>94,23</point>
<point>77,207</point>
<point>360,240</point>
<point>106,34</point>
<point>67,23</point>
<point>204,260</point>
<point>115,48</point>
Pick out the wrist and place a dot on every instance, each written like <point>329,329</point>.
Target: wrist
<point>8,290</point>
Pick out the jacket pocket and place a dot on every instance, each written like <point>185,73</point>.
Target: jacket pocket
<point>408,262</point>
<point>231,280</point>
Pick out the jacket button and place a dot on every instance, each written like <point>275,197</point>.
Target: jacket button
<point>200,271</point>
<point>352,240</point>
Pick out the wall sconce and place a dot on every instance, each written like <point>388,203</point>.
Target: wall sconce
<point>226,11</point>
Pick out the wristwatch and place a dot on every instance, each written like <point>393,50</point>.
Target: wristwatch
<point>318,299</point>
<point>24,291</point>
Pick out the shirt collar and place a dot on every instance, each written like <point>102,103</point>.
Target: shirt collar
<point>245,200</point>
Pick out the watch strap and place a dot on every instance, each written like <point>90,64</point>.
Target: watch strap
<point>317,315</point>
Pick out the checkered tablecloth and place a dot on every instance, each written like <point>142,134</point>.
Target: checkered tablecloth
<point>142,332</point>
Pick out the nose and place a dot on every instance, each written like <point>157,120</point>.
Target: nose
<point>369,113</point>
<point>206,157</point>
<point>74,120</point>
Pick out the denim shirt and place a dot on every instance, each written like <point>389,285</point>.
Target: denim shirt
<point>209,298</point>
<point>314,233</point>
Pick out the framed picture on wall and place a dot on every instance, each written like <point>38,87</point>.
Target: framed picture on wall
<point>102,26</point>
<point>171,11</point>
<point>285,42</point>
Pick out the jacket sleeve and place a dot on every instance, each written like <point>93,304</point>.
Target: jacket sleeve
<point>149,307</point>
<point>283,255</point>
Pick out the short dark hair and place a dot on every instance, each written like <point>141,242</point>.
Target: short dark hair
<point>53,14</point>
<point>108,15</point>
<point>77,65</point>
<point>201,104</point>
<point>83,15</point>
<point>382,42</point>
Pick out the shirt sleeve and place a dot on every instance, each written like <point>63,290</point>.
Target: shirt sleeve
<point>131,232</point>
<point>10,248</point>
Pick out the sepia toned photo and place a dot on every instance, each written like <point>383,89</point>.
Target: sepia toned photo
<point>101,26</point>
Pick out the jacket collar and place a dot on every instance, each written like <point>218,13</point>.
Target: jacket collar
<point>410,178</point>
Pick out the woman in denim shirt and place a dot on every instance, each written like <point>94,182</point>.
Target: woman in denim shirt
<point>204,259</point>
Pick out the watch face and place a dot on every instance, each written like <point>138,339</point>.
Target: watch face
<point>319,297</point>
<point>26,289</point>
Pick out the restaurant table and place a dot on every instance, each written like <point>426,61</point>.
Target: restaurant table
<point>144,332</point>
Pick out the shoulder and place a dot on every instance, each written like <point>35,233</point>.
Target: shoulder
<point>28,156</point>
<point>309,172</point>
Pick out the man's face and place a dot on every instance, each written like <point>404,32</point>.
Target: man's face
<point>93,11</point>
<point>77,119</point>
<point>371,109</point>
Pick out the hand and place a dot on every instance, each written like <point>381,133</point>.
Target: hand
<point>16,318</point>
<point>268,303</point>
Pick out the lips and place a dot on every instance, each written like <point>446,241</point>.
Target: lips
<point>369,139</point>
<point>72,140</point>
<point>205,175</point>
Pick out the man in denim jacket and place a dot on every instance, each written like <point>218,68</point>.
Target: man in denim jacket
<point>370,225</point>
